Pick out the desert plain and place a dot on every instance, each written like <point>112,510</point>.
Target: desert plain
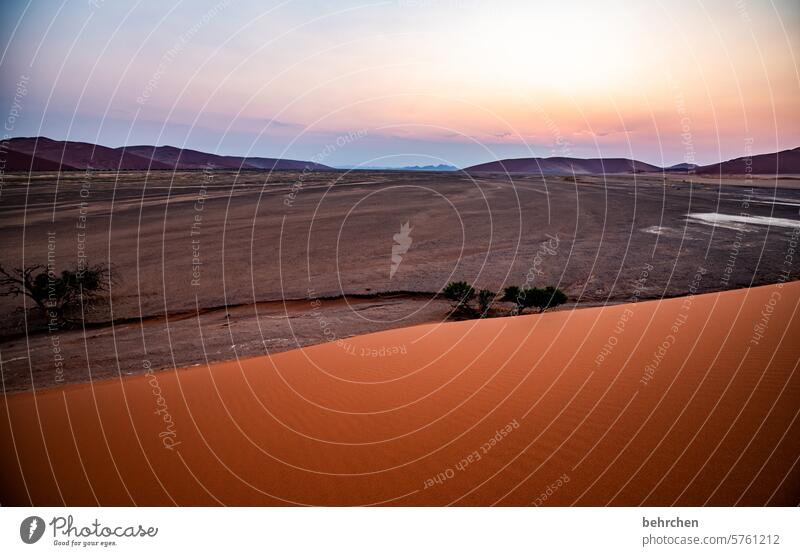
<point>266,342</point>
<point>209,267</point>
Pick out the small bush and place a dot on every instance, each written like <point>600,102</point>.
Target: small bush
<point>513,294</point>
<point>541,299</point>
<point>553,297</point>
<point>485,298</point>
<point>56,295</point>
<point>460,293</point>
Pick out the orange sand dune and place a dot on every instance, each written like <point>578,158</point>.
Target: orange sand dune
<point>574,407</point>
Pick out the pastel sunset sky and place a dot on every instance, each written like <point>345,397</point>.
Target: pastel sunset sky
<point>410,82</point>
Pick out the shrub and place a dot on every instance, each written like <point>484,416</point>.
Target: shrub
<point>485,298</point>
<point>515,295</point>
<point>461,293</point>
<point>552,297</point>
<point>511,294</point>
<point>56,295</point>
<point>541,299</point>
<point>529,297</point>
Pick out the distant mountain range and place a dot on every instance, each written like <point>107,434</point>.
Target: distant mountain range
<point>682,167</point>
<point>783,162</point>
<point>43,154</point>
<point>559,165</point>
<point>430,168</point>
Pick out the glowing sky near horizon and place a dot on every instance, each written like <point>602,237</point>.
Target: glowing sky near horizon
<point>410,82</point>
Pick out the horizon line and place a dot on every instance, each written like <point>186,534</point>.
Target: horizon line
<point>358,166</point>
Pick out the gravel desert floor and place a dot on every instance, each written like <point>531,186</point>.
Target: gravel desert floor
<point>209,266</point>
